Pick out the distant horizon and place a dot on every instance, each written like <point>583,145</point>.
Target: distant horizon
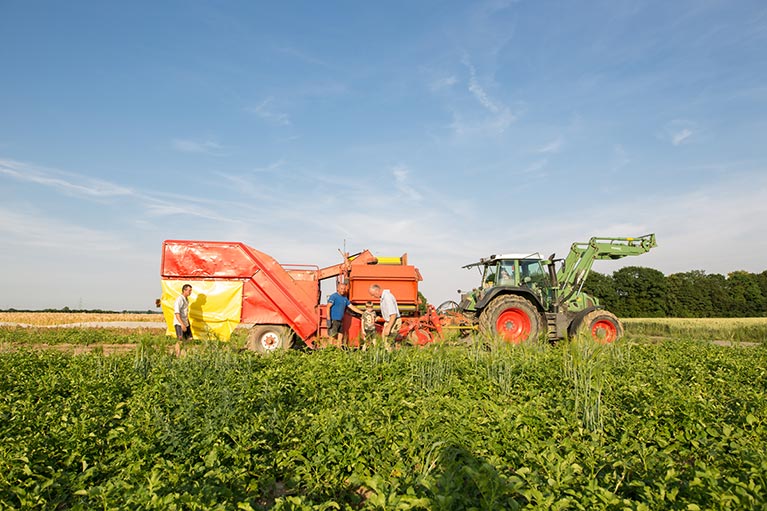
<point>158,310</point>
<point>66,309</point>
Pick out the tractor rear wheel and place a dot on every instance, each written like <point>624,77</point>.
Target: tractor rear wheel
<point>512,318</point>
<point>269,338</point>
<point>601,326</point>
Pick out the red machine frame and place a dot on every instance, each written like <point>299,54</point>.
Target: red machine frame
<point>290,294</point>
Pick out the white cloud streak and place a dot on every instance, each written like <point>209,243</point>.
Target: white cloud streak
<point>400,173</point>
<point>536,167</point>
<point>443,83</point>
<point>192,146</point>
<point>681,136</point>
<point>66,183</point>
<point>265,111</point>
<point>679,132</point>
<point>33,228</point>
<point>552,147</point>
<point>496,116</point>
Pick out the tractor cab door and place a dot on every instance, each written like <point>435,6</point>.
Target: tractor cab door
<point>533,276</point>
<point>490,276</point>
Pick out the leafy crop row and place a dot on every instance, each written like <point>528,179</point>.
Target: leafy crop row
<point>674,425</point>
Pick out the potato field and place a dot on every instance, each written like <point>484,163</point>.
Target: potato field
<point>672,416</point>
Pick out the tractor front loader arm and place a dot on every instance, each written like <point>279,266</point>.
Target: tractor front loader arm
<point>578,263</point>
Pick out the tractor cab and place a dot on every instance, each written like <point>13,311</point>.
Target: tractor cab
<point>527,271</point>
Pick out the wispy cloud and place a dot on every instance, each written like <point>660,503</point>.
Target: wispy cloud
<point>32,228</point>
<point>194,146</point>
<point>679,131</point>
<point>443,83</point>
<point>302,56</point>
<point>272,167</point>
<point>495,118</point>
<point>552,147</point>
<point>479,93</point>
<point>680,136</point>
<point>265,110</point>
<point>186,210</point>
<point>67,183</point>
<point>536,167</point>
<point>401,173</point>
<point>151,203</point>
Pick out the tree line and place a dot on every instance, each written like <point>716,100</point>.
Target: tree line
<point>638,292</point>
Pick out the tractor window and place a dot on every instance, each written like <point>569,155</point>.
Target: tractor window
<point>532,273</point>
<point>489,278</point>
<point>506,274</point>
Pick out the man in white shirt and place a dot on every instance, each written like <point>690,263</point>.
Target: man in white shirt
<point>181,317</point>
<point>389,312</point>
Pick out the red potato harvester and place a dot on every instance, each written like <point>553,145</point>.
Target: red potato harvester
<point>236,284</point>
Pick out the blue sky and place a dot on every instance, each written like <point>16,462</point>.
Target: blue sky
<point>447,130</point>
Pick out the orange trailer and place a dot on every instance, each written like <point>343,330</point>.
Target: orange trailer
<point>238,284</point>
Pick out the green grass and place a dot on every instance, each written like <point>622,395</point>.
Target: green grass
<point>669,425</point>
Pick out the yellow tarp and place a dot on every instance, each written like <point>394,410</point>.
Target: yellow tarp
<point>214,307</point>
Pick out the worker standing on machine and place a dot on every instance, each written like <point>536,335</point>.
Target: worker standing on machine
<point>337,305</point>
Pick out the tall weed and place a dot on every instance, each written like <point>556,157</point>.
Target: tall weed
<point>586,364</point>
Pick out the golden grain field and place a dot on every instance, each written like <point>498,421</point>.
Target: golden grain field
<point>66,318</point>
<point>699,322</point>
<point>717,329</point>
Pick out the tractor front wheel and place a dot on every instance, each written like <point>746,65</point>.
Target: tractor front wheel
<point>602,326</point>
<point>269,338</point>
<point>512,318</point>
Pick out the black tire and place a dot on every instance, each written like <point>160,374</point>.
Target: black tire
<point>269,338</point>
<point>512,318</point>
<point>601,326</point>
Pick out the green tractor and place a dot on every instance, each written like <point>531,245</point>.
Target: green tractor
<point>523,297</point>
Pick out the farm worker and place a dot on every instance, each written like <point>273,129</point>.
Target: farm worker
<point>181,317</point>
<point>389,311</point>
<point>337,305</point>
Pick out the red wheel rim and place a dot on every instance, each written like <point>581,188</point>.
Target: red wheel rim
<point>604,331</point>
<point>513,325</point>
<point>269,341</point>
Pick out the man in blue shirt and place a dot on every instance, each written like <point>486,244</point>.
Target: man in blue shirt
<point>337,305</point>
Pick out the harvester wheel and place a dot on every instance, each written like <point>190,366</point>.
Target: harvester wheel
<point>268,338</point>
<point>601,325</point>
<point>512,318</point>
